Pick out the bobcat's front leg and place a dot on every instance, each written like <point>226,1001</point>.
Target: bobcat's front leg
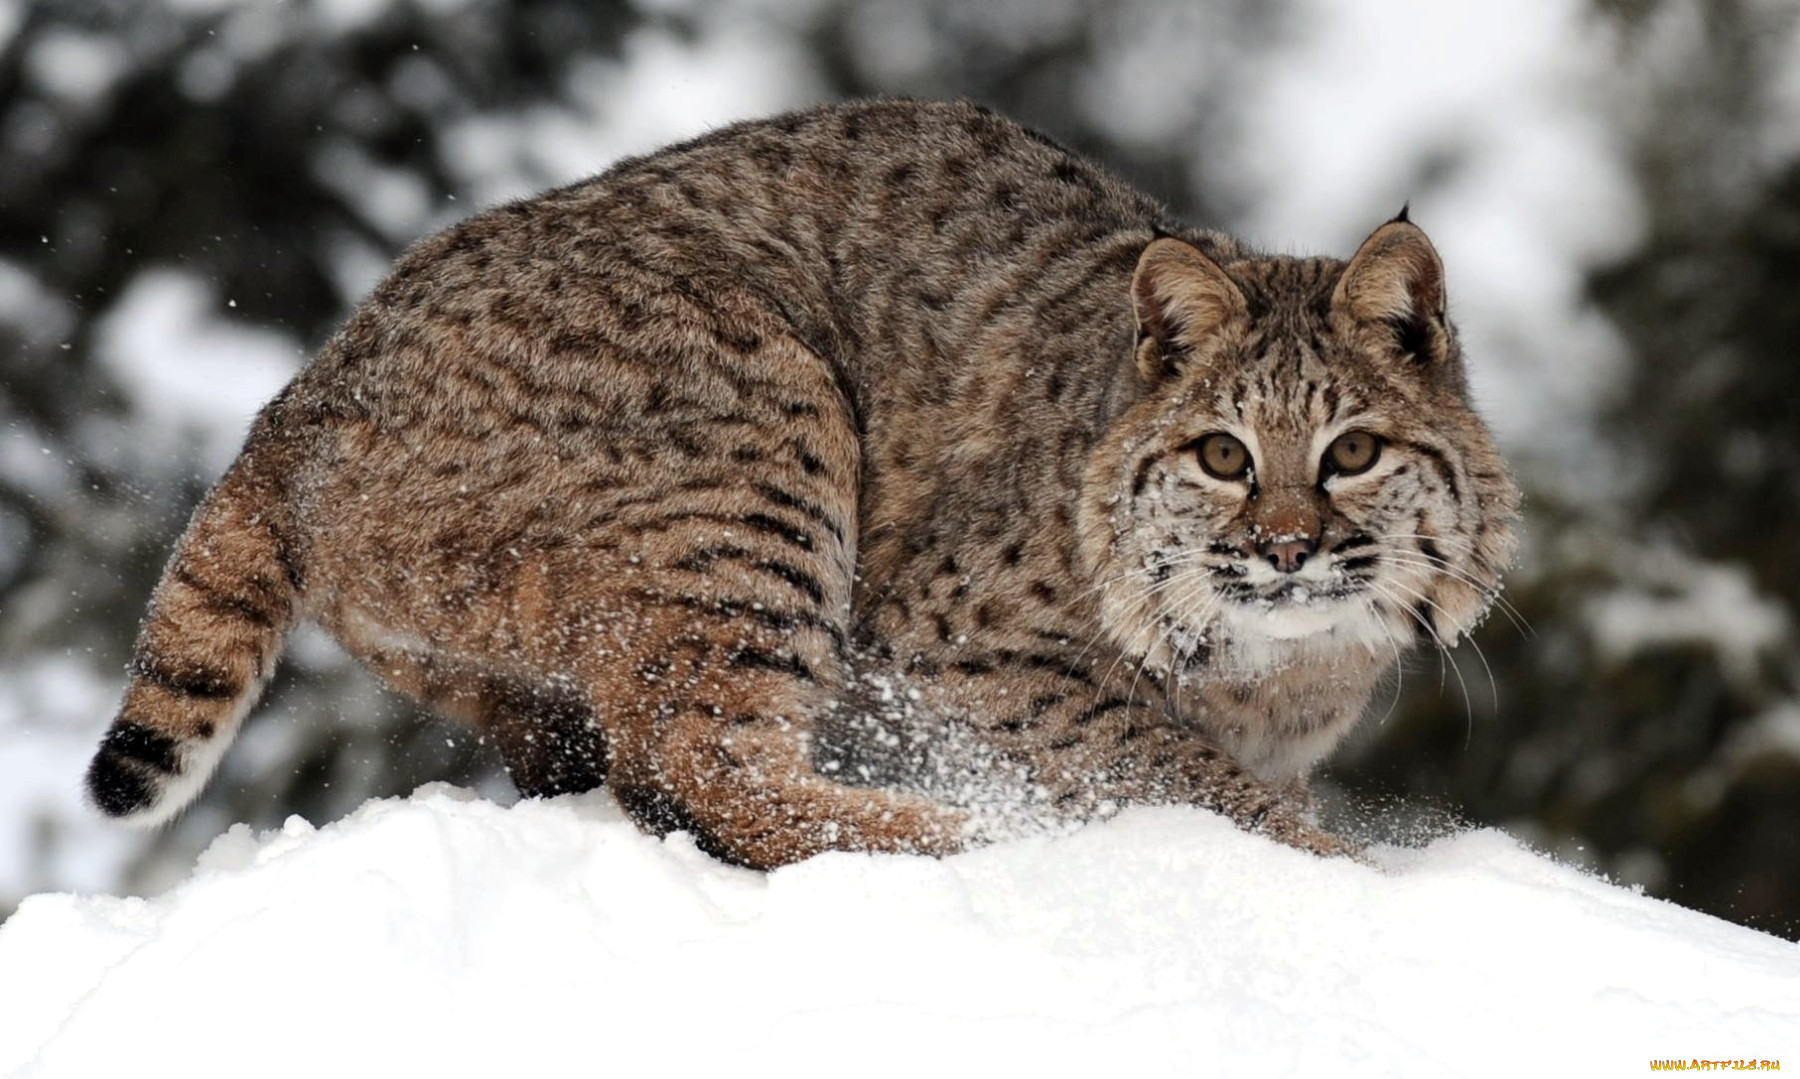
<point>1091,750</point>
<point>1139,757</point>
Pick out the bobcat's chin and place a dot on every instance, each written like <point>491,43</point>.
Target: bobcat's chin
<point>1293,627</point>
<point>1296,612</point>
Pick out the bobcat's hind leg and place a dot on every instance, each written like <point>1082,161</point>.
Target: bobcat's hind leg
<point>707,726</point>
<point>547,734</point>
<point>711,721</point>
<point>548,737</point>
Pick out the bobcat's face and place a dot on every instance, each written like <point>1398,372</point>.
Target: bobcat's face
<point>1305,474</point>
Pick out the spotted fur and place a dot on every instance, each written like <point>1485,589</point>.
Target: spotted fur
<point>829,482</point>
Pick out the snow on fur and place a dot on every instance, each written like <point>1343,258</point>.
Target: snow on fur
<point>446,936</point>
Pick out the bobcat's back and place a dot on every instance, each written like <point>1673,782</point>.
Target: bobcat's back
<point>661,478</point>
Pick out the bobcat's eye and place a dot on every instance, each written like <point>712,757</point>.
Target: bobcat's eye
<point>1224,457</point>
<point>1352,452</point>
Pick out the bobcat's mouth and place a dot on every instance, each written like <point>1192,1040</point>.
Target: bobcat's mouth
<point>1291,593</point>
<point>1260,602</point>
<point>1250,599</point>
<point>1293,609</point>
<point>1297,594</point>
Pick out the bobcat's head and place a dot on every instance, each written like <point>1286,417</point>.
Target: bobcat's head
<point>1301,471</point>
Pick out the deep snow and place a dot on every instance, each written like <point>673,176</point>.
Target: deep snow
<point>444,935</point>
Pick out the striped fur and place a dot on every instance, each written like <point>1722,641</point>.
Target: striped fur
<point>820,483</point>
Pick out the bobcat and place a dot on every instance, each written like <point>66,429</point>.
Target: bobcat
<point>877,477</point>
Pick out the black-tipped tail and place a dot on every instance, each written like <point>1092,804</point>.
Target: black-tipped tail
<point>131,766</point>
<point>217,622</point>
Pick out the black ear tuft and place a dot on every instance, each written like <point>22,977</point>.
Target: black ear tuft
<point>1404,217</point>
<point>1412,333</point>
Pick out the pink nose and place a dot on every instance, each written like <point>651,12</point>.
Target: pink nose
<point>1287,555</point>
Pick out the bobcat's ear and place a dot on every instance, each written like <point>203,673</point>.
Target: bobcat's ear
<point>1395,282</point>
<point>1180,298</point>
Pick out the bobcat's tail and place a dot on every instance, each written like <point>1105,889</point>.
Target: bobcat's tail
<point>217,623</point>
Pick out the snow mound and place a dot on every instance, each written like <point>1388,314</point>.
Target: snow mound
<point>446,936</point>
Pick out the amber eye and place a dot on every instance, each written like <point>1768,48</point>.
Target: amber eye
<point>1352,452</point>
<point>1224,457</point>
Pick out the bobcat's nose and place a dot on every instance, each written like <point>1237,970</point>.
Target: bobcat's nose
<point>1288,554</point>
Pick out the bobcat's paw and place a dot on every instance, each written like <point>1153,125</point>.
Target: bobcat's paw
<point>1286,826</point>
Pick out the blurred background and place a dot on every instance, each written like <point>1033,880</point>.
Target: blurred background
<point>194,193</point>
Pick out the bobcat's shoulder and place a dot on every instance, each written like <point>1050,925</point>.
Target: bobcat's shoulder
<point>873,477</point>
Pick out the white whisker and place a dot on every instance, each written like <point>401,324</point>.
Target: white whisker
<point>1399,663</point>
<point>1386,589</point>
<point>1505,606</point>
<point>1444,651</point>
